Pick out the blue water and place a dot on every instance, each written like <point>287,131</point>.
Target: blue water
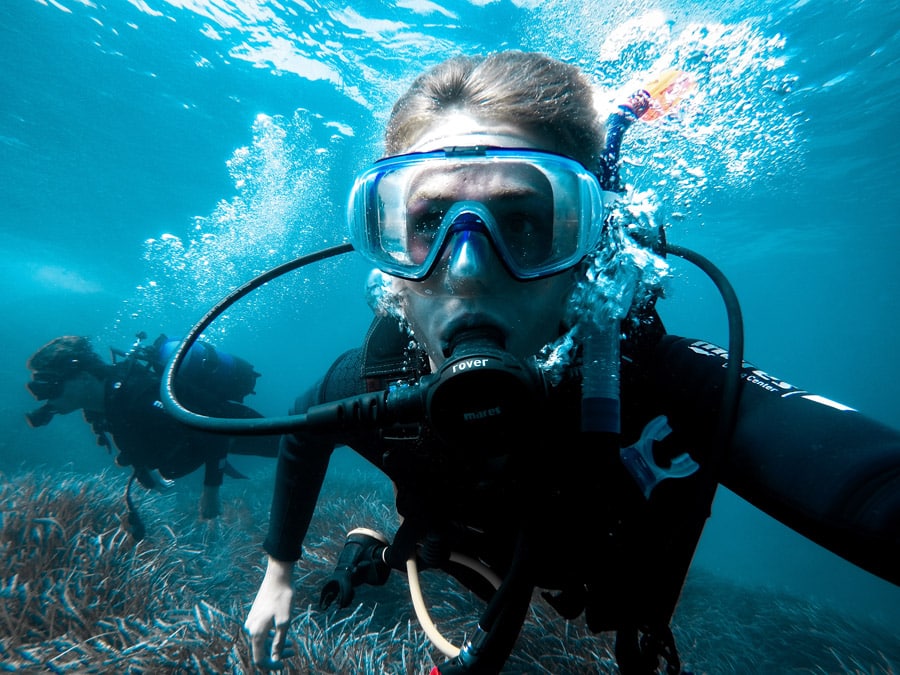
<point>154,155</point>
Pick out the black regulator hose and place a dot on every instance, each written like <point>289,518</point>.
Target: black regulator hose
<point>254,426</point>
<point>490,644</point>
<point>378,408</point>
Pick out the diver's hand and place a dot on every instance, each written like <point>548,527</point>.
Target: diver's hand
<point>271,609</point>
<point>210,506</point>
<point>637,103</point>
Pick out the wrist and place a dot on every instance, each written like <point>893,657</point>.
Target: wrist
<point>279,571</point>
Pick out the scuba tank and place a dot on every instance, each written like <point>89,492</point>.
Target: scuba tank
<point>228,376</point>
<point>221,375</point>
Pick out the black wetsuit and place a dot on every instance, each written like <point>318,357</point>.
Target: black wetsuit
<point>561,499</point>
<point>148,438</point>
<point>832,474</point>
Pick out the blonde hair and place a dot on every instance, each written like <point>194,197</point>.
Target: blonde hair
<point>539,94</point>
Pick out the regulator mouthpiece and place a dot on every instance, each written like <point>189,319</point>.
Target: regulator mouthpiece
<point>482,394</point>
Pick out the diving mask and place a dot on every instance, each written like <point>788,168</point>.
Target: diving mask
<point>46,385</point>
<point>543,212</point>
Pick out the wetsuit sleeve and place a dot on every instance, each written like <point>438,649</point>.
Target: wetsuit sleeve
<point>616,126</point>
<point>821,468</point>
<point>213,475</point>
<point>302,465</point>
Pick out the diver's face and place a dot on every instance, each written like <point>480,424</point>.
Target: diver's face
<point>74,394</point>
<point>470,287</point>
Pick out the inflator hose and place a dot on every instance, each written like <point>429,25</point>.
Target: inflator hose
<point>488,647</point>
<point>415,591</point>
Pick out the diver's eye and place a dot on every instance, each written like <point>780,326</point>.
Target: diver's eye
<point>520,224</point>
<point>527,235</point>
<point>423,222</point>
<point>426,222</point>
<point>424,216</point>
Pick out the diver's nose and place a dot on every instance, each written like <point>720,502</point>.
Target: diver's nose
<point>471,257</point>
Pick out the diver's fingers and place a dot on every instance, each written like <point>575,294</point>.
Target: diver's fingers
<point>258,645</point>
<point>278,641</point>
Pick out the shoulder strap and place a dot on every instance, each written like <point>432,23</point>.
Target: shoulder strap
<point>382,358</point>
<point>389,354</point>
<point>383,348</point>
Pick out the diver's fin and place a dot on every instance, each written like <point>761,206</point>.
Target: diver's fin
<point>665,91</point>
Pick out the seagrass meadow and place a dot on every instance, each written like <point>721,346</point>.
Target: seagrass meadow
<point>78,594</point>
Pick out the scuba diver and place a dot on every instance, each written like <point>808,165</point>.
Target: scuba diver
<point>587,476</point>
<point>121,403</point>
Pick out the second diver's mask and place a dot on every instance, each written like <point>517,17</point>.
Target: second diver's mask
<point>44,386</point>
<point>543,212</point>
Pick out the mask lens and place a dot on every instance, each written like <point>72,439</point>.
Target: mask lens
<point>522,208</point>
<point>423,224</point>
